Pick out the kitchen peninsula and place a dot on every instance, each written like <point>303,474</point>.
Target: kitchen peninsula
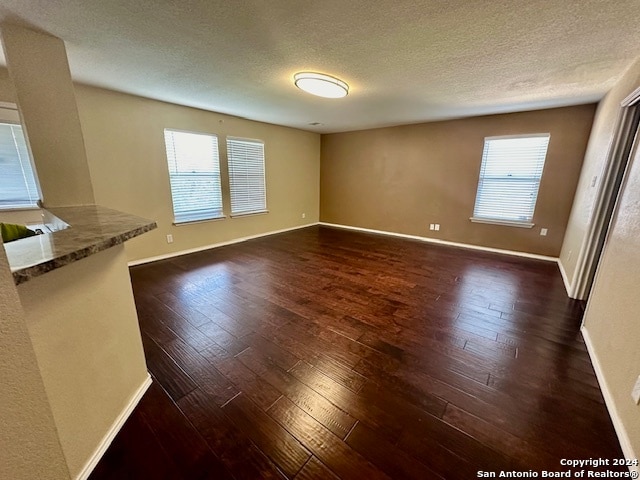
<point>75,289</point>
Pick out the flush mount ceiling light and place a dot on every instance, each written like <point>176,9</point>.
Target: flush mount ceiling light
<point>321,85</point>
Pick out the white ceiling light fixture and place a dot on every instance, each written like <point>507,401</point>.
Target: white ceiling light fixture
<point>321,85</point>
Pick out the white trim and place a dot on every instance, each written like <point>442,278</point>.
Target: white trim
<point>565,279</point>
<point>20,209</point>
<point>113,431</point>
<point>248,214</point>
<point>504,223</point>
<point>444,242</point>
<point>526,135</point>
<point>618,424</point>
<point>196,132</point>
<point>165,256</point>
<point>631,99</point>
<point>245,139</point>
<point>192,222</point>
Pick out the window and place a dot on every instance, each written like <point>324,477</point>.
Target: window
<point>246,176</point>
<point>18,187</point>
<point>194,173</point>
<point>509,179</point>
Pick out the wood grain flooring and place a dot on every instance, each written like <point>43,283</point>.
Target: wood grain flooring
<point>322,354</point>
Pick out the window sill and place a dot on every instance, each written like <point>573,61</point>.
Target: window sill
<point>248,214</point>
<point>504,223</point>
<point>205,220</point>
<point>20,209</point>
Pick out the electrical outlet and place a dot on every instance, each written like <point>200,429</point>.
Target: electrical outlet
<point>169,238</point>
<point>432,226</point>
<point>304,215</point>
<point>635,393</point>
<point>437,227</point>
<point>543,232</point>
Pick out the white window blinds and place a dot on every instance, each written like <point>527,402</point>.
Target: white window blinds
<point>194,173</point>
<point>18,188</point>
<point>509,178</point>
<point>246,176</point>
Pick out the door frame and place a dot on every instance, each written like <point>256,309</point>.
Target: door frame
<point>625,133</point>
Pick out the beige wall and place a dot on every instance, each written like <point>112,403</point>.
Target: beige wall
<point>598,148</point>
<point>44,92</point>
<point>401,179</point>
<point>611,320</point>
<point>29,443</point>
<point>124,137</point>
<point>7,92</point>
<point>87,342</point>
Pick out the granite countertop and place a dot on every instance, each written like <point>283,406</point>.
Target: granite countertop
<point>91,229</point>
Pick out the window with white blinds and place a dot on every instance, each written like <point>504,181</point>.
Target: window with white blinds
<point>18,187</point>
<point>194,173</point>
<point>509,179</point>
<point>246,176</point>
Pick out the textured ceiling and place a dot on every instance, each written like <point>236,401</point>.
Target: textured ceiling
<point>405,61</point>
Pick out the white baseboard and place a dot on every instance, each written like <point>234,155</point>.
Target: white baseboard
<point>618,425</point>
<point>113,431</point>
<point>444,242</point>
<point>133,263</point>
<point>565,279</point>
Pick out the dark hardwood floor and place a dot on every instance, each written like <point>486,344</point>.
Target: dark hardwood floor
<point>322,353</point>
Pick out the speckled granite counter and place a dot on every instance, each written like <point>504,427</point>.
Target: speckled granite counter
<point>92,229</point>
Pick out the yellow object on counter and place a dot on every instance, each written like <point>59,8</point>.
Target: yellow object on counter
<point>12,231</point>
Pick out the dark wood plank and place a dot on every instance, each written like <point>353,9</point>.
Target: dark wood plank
<point>268,435</point>
<point>220,388</point>
<point>271,351</point>
<point>339,373</point>
<point>174,379</point>
<point>386,456</point>
<point>333,452</point>
<point>235,449</point>
<point>182,442</point>
<point>220,336</point>
<point>249,383</point>
<point>382,420</point>
<point>183,306</point>
<point>315,470</point>
<point>527,456</point>
<point>321,409</point>
<point>323,353</point>
<point>136,453</point>
<point>177,325</point>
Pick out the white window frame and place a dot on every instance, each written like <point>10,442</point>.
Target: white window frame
<point>9,115</point>
<point>247,176</point>
<point>210,206</point>
<point>509,210</point>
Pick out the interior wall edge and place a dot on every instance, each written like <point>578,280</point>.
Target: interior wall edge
<point>616,419</point>
<point>444,242</point>
<point>166,256</point>
<point>115,428</point>
<point>565,279</point>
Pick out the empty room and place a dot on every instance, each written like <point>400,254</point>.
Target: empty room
<point>319,240</point>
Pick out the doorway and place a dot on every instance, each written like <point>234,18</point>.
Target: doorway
<point>626,133</point>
